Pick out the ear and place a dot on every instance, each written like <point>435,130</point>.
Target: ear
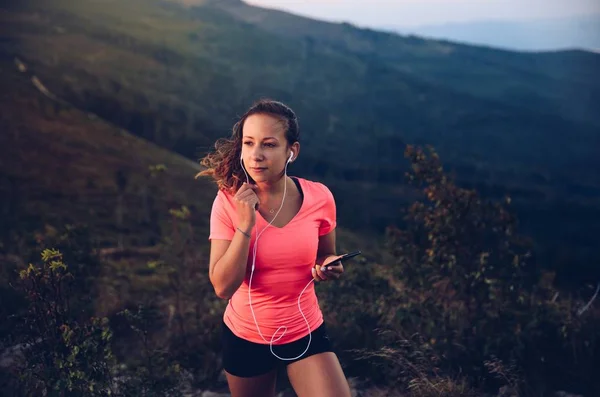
<point>294,152</point>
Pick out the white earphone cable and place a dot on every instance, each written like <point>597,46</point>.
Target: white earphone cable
<point>254,251</point>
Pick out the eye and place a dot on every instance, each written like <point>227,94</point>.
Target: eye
<point>248,143</point>
<point>269,144</point>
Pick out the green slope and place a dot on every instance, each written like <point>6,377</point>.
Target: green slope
<point>61,165</point>
<point>195,69</point>
<point>546,82</point>
<point>505,122</point>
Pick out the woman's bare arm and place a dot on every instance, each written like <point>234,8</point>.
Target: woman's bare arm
<point>228,260</point>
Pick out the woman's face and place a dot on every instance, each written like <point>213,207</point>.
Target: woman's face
<point>265,149</point>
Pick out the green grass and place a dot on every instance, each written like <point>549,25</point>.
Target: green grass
<point>60,165</point>
<point>64,163</point>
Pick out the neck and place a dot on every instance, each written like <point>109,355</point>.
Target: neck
<point>272,188</point>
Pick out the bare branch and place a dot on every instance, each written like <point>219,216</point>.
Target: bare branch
<point>587,306</point>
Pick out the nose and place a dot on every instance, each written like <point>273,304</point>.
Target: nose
<point>255,153</point>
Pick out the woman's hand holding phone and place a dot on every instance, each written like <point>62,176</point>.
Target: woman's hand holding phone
<point>332,267</point>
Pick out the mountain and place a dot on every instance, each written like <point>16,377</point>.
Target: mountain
<point>178,73</point>
<point>532,35</point>
<point>63,165</point>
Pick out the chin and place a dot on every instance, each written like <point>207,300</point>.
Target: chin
<point>260,177</point>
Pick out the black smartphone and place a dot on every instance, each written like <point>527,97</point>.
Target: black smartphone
<point>344,257</point>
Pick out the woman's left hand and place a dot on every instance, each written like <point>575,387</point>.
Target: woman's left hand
<point>326,271</point>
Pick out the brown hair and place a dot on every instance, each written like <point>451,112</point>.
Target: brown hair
<point>223,165</point>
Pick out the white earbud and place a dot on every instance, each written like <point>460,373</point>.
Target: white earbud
<point>291,157</point>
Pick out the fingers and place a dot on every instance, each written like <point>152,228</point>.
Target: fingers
<point>252,199</point>
<point>251,202</point>
<point>318,274</point>
<point>242,189</point>
<point>245,189</point>
<point>324,273</point>
<point>333,270</point>
<point>247,195</point>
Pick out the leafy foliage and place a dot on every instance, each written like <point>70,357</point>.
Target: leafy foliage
<point>59,349</point>
<point>471,287</point>
<point>462,254</point>
<point>154,372</point>
<point>169,305</point>
<point>60,353</point>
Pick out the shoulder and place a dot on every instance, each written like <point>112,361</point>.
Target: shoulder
<point>322,205</point>
<point>223,194</point>
<point>223,200</point>
<point>222,217</point>
<point>316,190</point>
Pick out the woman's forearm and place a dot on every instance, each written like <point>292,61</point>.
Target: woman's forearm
<point>229,271</point>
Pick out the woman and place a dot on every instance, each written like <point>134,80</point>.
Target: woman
<point>271,237</point>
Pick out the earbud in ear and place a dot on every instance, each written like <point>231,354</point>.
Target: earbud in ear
<point>291,157</point>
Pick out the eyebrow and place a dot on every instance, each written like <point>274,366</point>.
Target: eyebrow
<point>268,137</point>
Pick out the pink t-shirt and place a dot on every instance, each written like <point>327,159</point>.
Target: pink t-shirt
<point>283,265</point>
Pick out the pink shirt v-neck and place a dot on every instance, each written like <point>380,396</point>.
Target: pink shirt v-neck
<point>284,260</point>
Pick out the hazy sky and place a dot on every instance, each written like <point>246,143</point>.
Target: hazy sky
<point>404,13</point>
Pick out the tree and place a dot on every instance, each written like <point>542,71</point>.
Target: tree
<point>470,278</point>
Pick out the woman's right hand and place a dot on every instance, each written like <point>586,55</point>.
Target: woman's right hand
<point>246,202</point>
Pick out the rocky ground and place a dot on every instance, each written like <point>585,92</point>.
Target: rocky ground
<point>357,390</point>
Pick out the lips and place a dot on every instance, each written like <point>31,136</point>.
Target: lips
<point>258,169</point>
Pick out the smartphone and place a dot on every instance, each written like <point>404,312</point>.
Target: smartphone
<point>344,257</point>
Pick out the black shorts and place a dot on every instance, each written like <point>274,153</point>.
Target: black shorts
<point>247,359</point>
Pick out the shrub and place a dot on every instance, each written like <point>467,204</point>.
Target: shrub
<point>154,371</point>
<point>60,355</point>
<point>472,288</point>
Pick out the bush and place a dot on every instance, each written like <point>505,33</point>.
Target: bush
<point>413,369</point>
<point>56,352</point>
<point>59,353</point>
<point>154,371</point>
<point>472,288</point>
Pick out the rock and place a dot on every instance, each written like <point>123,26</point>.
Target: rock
<point>507,391</point>
<point>565,394</point>
<point>14,354</point>
<point>214,394</point>
<point>357,389</point>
